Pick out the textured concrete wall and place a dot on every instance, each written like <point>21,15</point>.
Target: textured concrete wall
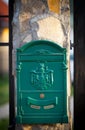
<point>30,12</point>
<point>33,20</point>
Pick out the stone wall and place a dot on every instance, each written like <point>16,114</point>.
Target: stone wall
<point>33,21</point>
<point>28,11</point>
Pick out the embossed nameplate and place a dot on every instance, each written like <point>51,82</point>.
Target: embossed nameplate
<point>49,107</point>
<point>35,107</point>
<point>44,107</point>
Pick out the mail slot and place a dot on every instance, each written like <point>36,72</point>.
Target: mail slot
<point>41,83</point>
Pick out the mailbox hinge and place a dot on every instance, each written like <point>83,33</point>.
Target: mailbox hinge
<point>71,45</point>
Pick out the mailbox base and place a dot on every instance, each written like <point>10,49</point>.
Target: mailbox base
<point>41,119</point>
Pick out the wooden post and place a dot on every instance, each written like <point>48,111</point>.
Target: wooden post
<point>79,64</point>
<point>11,78</point>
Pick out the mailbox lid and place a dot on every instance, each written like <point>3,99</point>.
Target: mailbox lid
<point>40,47</point>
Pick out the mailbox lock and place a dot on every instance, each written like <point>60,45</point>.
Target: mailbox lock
<point>42,95</point>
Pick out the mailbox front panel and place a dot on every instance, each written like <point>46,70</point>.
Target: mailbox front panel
<point>41,84</point>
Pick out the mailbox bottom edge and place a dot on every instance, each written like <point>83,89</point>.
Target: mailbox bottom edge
<point>41,119</point>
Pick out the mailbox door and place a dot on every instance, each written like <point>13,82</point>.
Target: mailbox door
<point>41,86</point>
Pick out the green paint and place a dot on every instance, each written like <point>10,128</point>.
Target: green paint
<point>41,82</point>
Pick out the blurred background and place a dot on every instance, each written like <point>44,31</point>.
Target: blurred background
<point>4,65</point>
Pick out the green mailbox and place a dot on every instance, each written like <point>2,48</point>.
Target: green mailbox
<point>41,83</point>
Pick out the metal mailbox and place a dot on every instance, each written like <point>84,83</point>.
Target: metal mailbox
<point>41,83</point>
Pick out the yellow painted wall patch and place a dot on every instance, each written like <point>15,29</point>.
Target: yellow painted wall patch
<point>54,6</point>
